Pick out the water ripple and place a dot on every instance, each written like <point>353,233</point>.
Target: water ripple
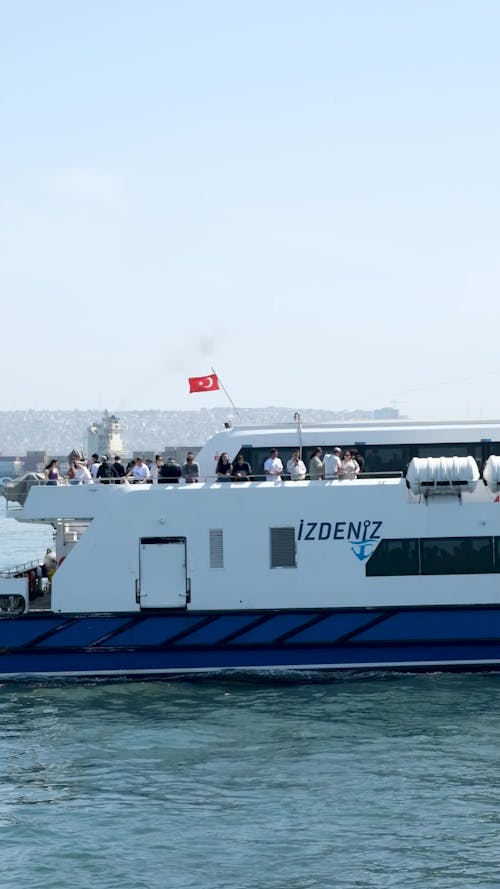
<point>369,783</point>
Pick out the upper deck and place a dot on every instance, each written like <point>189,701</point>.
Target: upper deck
<point>387,445</point>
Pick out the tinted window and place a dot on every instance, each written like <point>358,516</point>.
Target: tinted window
<point>384,458</point>
<point>394,558</point>
<point>456,555</point>
<point>464,449</point>
<point>496,551</point>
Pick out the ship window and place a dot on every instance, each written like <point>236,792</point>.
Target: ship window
<point>216,548</point>
<point>283,548</point>
<point>435,555</point>
<point>443,450</point>
<point>384,458</point>
<point>459,449</point>
<point>394,558</point>
<point>456,555</point>
<point>490,447</point>
<point>12,604</point>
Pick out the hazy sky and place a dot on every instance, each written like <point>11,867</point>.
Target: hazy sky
<point>304,196</point>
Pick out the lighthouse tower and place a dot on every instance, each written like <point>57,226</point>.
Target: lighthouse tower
<point>105,437</point>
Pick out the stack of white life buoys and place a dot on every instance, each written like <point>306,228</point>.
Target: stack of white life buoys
<point>491,473</point>
<point>442,475</point>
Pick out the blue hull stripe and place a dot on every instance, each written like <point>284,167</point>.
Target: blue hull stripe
<point>99,663</point>
<point>439,637</point>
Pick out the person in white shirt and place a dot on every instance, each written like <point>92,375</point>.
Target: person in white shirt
<point>155,468</point>
<point>82,473</point>
<point>331,463</point>
<point>139,471</point>
<point>94,466</point>
<point>295,467</point>
<point>273,467</point>
<point>349,468</point>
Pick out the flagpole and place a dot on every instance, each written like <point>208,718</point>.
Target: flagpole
<point>226,393</point>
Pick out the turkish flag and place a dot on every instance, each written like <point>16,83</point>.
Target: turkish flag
<point>203,384</point>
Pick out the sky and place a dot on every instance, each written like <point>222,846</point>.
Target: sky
<point>301,196</point>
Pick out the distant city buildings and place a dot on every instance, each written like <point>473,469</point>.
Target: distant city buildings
<point>34,436</point>
<point>386,413</point>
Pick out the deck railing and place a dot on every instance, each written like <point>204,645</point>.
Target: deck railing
<point>22,568</point>
<point>16,497</point>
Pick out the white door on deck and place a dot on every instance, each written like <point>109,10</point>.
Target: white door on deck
<point>162,572</point>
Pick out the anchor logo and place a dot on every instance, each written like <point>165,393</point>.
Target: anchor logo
<point>362,549</point>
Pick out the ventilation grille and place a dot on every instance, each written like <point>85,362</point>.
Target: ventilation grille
<point>283,548</point>
<point>216,548</point>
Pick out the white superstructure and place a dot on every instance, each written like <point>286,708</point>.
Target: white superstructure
<point>385,445</point>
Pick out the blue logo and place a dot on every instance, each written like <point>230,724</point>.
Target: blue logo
<point>363,536</point>
<point>364,549</point>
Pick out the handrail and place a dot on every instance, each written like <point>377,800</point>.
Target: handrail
<point>23,568</point>
<point>260,477</point>
<point>255,477</point>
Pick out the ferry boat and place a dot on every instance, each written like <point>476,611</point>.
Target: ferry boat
<point>394,570</point>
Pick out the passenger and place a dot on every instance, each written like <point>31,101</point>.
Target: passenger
<point>130,465</point>
<point>105,472</point>
<point>273,467</point>
<point>331,462</point>
<point>94,466</point>
<point>119,469</point>
<point>316,468</point>
<point>169,473</point>
<point>49,566</point>
<point>149,464</point>
<point>348,467</point>
<point>140,472</point>
<point>295,467</point>
<point>70,475</point>
<point>360,460</point>
<point>224,468</point>
<point>155,467</point>
<point>241,470</point>
<point>49,560</point>
<point>190,470</point>
<point>51,473</point>
<point>82,473</point>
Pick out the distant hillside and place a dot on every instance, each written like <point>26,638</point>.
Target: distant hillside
<point>59,431</point>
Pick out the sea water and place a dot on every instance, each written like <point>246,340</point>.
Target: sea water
<point>20,542</point>
<point>374,781</point>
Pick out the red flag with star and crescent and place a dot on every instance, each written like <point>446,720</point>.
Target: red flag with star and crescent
<point>203,384</point>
